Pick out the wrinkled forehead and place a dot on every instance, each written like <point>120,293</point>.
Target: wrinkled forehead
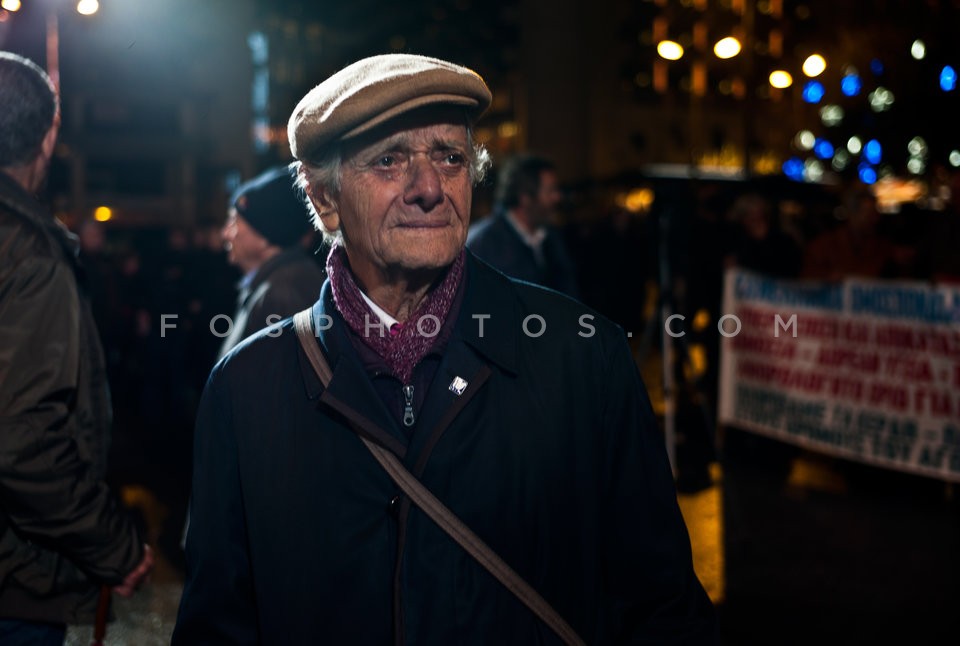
<point>433,125</point>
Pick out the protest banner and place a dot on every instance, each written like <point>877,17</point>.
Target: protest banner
<point>864,369</point>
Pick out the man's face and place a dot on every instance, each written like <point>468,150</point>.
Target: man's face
<point>404,202</point>
<point>245,247</point>
<point>543,208</point>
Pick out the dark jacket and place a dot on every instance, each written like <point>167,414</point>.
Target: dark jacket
<point>495,241</point>
<point>551,455</point>
<point>61,530</point>
<point>282,286</point>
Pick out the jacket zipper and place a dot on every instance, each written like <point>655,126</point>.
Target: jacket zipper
<point>408,418</point>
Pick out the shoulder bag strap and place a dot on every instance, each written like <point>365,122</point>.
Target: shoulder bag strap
<point>436,510</point>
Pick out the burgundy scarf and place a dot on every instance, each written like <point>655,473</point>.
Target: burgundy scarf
<point>403,346</point>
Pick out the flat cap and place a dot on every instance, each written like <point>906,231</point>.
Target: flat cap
<point>376,89</point>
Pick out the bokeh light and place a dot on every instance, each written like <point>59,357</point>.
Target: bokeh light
<point>781,79</point>
<point>880,99</point>
<point>851,84</point>
<point>823,149</point>
<point>918,49</point>
<point>814,65</point>
<point>805,140</point>
<point>670,50</point>
<point>831,115</point>
<point>793,168</point>
<point>948,79</point>
<point>873,151</point>
<point>727,47</point>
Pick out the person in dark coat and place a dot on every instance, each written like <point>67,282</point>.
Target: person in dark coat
<point>266,225</point>
<point>520,238</point>
<point>62,532</point>
<point>519,408</point>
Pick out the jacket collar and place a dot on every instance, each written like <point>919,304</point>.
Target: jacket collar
<point>26,206</point>
<point>490,300</point>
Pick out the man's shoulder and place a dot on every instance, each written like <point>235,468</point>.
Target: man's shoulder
<point>558,311</point>
<point>21,237</point>
<point>262,353</point>
<point>486,230</point>
<point>298,265</point>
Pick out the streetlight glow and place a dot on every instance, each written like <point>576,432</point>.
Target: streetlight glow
<point>918,49</point>
<point>781,79</point>
<point>103,214</point>
<point>814,65</point>
<point>10,5</point>
<point>87,7</point>
<point>670,50</point>
<point>727,47</point>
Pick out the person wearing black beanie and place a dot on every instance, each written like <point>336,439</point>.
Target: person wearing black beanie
<point>266,225</point>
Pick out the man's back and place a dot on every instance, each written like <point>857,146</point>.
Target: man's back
<point>54,418</point>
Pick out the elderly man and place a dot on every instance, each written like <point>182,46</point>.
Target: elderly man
<point>62,533</point>
<point>263,234</point>
<point>519,409</point>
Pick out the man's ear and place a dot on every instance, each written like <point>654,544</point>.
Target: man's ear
<point>49,143</point>
<point>326,206</point>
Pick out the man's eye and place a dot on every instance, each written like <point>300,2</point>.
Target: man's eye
<point>456,159</point>
<point>385,161</point>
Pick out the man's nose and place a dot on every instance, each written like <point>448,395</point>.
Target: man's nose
<point>423,184</point>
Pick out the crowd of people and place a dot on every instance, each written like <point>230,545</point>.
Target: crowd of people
<point>574,491</point>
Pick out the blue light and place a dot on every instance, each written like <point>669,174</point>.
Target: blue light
<point>948,79</point>
<point>876,67</point>
<point>813,91</point>
<point>867,175</point>
<point>873,151</point>
<point>793,168</point>
<point>850,85</point>
<point>823,149</point>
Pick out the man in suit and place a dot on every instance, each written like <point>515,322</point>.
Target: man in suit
<point>520,238</point>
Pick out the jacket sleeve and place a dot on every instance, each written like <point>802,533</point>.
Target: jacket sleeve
<point>218,604</point>
<point>49,494</point>
<point>652,593</point>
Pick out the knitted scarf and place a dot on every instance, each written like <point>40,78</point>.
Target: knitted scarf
<point>404,345</point>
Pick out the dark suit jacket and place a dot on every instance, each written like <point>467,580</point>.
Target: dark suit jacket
<point>551,454</point>
<point>496,242</point>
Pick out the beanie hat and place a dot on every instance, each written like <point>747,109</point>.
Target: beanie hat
<point>272,205</point>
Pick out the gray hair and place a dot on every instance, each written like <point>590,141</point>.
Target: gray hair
<point>29,103</point>
<point>326,172</point>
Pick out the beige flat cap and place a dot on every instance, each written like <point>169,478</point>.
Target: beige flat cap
<point>375,90</point>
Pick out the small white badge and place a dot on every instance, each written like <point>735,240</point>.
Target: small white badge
<point>458,385</point>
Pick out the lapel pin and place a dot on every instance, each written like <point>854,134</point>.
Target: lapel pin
<point>458,385</point>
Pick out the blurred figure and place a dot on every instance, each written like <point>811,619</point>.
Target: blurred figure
<point>268,222</point>
<point>757,244</point>
<point>520,238</point>
<point>62,533</point>
<point>855,248</point>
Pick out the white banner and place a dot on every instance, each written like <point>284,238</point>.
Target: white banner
<point>867,370</point>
